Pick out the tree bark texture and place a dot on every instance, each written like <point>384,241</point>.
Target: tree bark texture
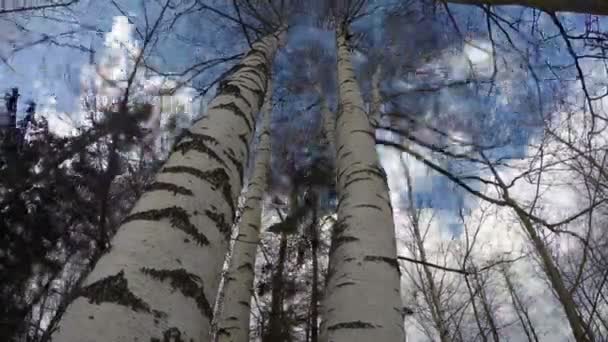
<point>362,301</point>
<point>159,278</point>
<point>233,324</point>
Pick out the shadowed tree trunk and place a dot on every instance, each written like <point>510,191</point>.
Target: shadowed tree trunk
<point>362,301</point>
<point>276,326</point>
<point>329,121</point>
<point>157,280</point>
<point>313,319</point>
<point>233,325</point>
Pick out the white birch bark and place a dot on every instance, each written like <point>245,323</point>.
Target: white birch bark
<point>157,280</point>
<point>233,325</point>
<point>362,301</point>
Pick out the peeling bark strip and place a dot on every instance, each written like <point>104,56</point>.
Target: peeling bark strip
<point>114,289</point>
<point>186,283</point>
<point>363,240</point>
<point>178,217</point>
<point>143,243</point>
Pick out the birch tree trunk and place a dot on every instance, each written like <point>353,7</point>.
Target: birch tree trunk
<point>156,281</point>
<point>233,325</point>
<point>362,301</point>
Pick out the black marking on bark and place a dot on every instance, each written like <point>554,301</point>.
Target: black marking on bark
<point>178,217</point>
<point>340,148</point>
<point>355,180</point>
<point>246,265</point>
<point>261,67</point>
<point>255,227</point>
<point>232,318</point>
<point>190,285</point>
<point>258,83</point>
<point>349,259</point>
<point>198,142</point>
<point>234,90</point>
<point>244,303</point>
<point>174,188</point>
<point>261,52</point>
<point>348,80</point>
<point>344,155</point>
<point>341,225</point>
<point>259,93</point>
<point>186,169</point>
<point>344,240</point>
<point>369,133</point>
<point>386,200</point>
<point>342,199</point>
<point>371,206</point>
<point>114,289</point>
<point>171,335</point>
<point>218,178</point>
<point>220,220</point>
<point>234,109</point>
<point>351,325</point>
<point>347,169</point>
<point>245,141</point>
<point>346,283</point>
<point>392,262</point>
<point>239,167</point>
<point>223,331</point>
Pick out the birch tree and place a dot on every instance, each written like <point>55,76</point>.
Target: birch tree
<point>233,324</point>
<point>163,267</point>
<point>362,301</point>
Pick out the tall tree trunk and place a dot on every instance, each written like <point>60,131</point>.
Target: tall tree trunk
<point>599,7</point>
<point>314,293</point>
<point>276,326</point>
<point>156,281</point>
<point>578,326</point>
<point>362,301</point>
<point>233,325</point>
